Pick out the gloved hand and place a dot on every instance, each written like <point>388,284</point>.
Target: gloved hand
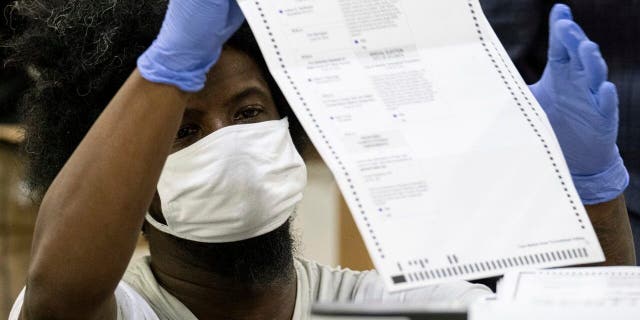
<point>582,108</point>
<point>190,42</point>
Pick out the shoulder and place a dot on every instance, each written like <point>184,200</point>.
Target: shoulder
<point>130,304</point>
<point>328,284</point>
<point>141,279</point>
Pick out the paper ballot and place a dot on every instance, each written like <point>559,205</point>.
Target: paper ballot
<point>571,293</point>
<point>614,286</point>
<point>499,310</point>
<point>449,166</point>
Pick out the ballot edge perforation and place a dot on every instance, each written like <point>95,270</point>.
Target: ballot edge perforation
<point>533,109</point>
<point>519,104</point>
<point>491,265</point>
<point>320,131</point>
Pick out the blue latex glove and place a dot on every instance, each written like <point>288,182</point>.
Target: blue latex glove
<point>583,109</point>
<point>190,42</point>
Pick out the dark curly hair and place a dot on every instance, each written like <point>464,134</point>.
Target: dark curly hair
<point>79,53</point>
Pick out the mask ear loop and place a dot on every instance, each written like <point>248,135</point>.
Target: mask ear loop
<point>166,229</point>
<point>158,225</point>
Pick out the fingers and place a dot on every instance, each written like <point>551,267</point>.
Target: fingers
<point>570,36</point>
<point>236,17</point>
<point>557,51</point>
<point>594,65</point>
<point>608,102</point>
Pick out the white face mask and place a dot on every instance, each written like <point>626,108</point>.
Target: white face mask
<point>239,182</point>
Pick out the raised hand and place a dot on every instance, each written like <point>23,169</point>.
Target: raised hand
<point>190,42</point>
<point>582,107</point>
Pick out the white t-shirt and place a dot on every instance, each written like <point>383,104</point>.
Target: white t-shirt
<point>140,297</point>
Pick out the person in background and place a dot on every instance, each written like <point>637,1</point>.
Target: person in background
<point>186,137</point>
<point>614,25</point>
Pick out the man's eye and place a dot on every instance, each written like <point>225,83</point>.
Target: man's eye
<point>248,113</point>
<point>187,131</point>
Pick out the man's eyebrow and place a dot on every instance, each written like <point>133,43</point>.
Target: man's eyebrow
<point>246,93</point>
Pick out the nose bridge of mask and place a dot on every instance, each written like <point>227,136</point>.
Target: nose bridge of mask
<point>232,140</point>
<point>233,184</point>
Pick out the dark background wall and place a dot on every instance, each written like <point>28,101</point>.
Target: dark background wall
<point>12,81</point>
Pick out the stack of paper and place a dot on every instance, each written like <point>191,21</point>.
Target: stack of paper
<point>574,293</point>
<point>447,162</point>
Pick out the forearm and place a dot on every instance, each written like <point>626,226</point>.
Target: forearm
<point>611,223</point>
<point>91,216</point>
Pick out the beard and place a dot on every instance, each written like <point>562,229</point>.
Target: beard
<point>261,261</point>
<point>265,260</point>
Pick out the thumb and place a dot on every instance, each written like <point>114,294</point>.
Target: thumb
<point>235,18</point>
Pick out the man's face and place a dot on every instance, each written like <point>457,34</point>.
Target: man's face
<point>235,93</point>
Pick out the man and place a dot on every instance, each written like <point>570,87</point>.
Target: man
<point>195,136</point>
<point>613,24</point>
